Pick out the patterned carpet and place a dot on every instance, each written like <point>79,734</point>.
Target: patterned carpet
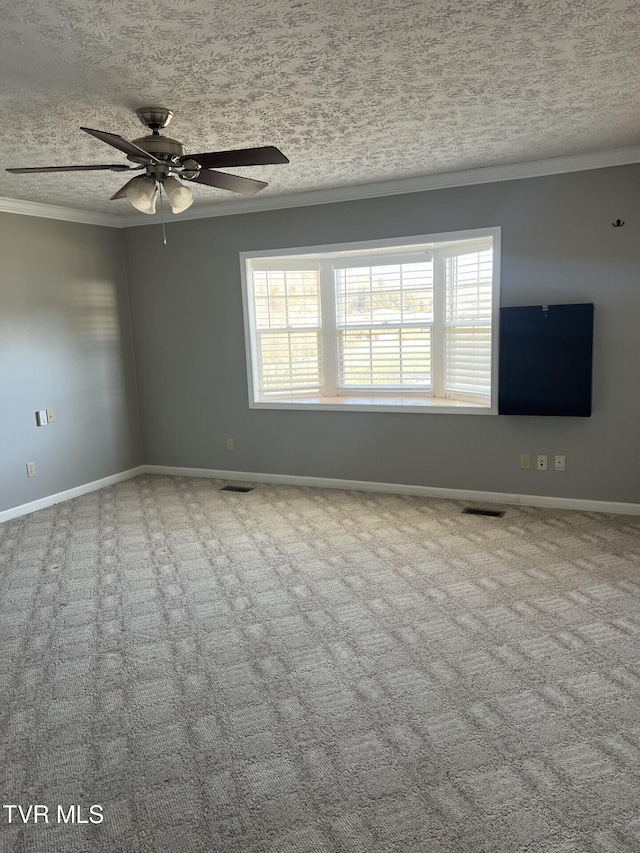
<point>299,670</point>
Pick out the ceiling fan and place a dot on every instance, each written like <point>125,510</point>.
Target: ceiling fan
<point>166,163</point>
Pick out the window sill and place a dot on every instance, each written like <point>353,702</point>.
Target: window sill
<point>431,405</point>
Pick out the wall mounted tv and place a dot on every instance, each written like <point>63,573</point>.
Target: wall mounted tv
<point>545,361</point>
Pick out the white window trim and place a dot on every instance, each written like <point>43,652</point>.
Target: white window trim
<point>404,399</point>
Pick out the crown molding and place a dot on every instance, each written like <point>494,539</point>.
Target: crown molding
<point>444,180</point>
<point>52,211</point>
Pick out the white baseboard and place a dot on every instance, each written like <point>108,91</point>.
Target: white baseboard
<point>545,501</point>
<point>49,500</point>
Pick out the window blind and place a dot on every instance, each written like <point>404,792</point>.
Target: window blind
<point>469,286</point>
<point>384,315</point>
<point>288,332</point>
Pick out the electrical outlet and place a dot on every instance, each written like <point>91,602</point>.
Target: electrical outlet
<point>525,461</point>
<point>231,445</point>
<point>559,463</point>
<point>51,416</point>
<point>541,463</point>
<point>31,469</point>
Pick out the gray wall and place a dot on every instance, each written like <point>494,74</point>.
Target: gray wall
<point>558,246</point>
<point>65,344</point>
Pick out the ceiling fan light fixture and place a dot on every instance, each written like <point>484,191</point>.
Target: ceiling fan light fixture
<point>143,195</point>
<point>180,197</point>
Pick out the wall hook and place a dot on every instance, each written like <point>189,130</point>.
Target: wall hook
<point>618,223</point>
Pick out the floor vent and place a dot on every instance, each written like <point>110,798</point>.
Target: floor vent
<point>492,513</point>
<point>237,489</point>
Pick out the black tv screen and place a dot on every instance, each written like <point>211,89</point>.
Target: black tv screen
<point>545,360</point>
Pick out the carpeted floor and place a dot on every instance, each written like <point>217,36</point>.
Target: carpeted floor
<point>310,671</point>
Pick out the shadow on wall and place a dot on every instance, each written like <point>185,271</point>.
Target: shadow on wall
<point>95,345</point>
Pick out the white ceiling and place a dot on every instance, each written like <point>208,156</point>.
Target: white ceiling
<point>352,91</point>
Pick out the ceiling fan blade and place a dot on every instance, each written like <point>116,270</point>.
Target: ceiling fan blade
<point>122,192</point>
<point>265,156</point>
<point>120,143</point>
<point>234,183</point>
<point>114,167</point>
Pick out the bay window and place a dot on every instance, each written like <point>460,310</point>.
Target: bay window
<point>379,325</point>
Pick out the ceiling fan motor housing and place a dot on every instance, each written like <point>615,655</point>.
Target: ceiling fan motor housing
<point>162,147</point>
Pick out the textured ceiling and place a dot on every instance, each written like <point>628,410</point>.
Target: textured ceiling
<point>353,93</point>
